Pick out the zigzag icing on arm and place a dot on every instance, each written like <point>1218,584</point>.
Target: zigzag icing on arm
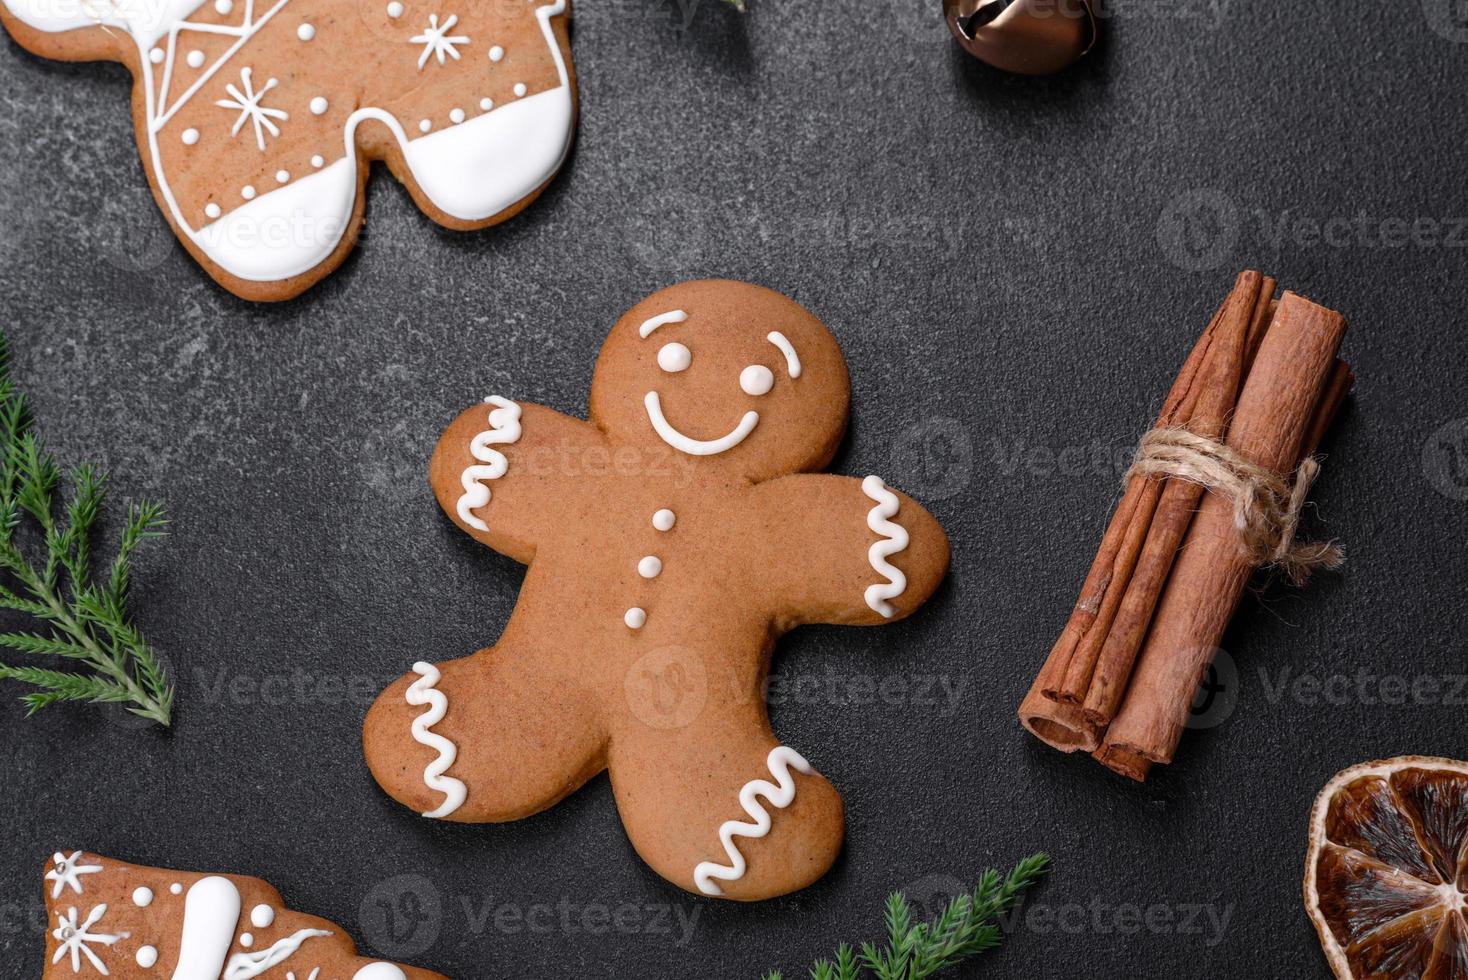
<point>780,761</point>
<point>504,428</point>
<point>421,692</point>
<point>894,540</point>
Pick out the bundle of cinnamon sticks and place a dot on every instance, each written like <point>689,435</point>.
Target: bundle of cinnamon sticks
<point>1263,384</point>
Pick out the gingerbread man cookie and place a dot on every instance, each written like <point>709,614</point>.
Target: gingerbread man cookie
<point>257,119</point>
<point>120,920</point>
<point>670,541</point>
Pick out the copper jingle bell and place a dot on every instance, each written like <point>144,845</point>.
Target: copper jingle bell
<point>1028,37</point>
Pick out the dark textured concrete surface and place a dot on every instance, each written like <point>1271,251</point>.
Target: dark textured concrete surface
<point>1015,268</point>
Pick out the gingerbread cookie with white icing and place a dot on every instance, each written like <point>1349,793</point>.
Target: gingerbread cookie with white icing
<point>126,921</point>
<point>671,540</point>
<point>258,119</point>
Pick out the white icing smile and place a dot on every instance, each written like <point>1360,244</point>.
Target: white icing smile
<point>689,445</point>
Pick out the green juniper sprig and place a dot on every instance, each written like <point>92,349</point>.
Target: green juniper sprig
<point>913,952</point>
<point>87,621</point>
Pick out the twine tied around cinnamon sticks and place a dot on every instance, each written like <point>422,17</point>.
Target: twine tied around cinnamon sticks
<point>1266,507</point>
<point>1242,420</point>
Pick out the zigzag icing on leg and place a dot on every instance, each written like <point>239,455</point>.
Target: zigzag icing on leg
<point>421,692</point>
<point>894,539</point>
<point>504,422</point>
<point>780,761</point>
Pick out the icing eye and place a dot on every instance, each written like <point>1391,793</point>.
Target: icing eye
<point>756,380</point>
<point>674,358</point>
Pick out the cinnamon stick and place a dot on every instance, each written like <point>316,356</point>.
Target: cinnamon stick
<point>1294,375</point>
<point>1176,507</point>
<point>1222,351</point>
<point>1128,762</point>
<point>1042,713</point>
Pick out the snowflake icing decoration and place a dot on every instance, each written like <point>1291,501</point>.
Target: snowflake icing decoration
<point>76,939</point>
<point>250,109</point>
<point>68,872</point>
<point>437,41</point>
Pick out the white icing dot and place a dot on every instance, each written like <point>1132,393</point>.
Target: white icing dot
<point>156,56</point>
<point>650,567</point>
<point>496,53</point>
<point>142,897</point>
<point>281,176</point>
<point>212,210</point>
<point>223,6</point>
<point>147,957</point>
<point>520,88</point>
<point>664,520</point>
<point>425,126</point>
<point>246,940</point>
<point>635,617</point>
<point>176,888</point>
<point>486,104</point>
<point>248,191</point>
<point>195,58</point>
<point>261,916</point>
<point>306,32</point>
<point>318,161</point>
<point>395,9</point>
<point>318,105</point>
<point>674,357</point>
<point>756,380</point>
<point>190,137</point>
<point>456,116</point>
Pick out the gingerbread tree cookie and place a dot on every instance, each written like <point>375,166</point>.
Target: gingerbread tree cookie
<point>120,920</point>
<point>670,540</point>
<point>257,119</point>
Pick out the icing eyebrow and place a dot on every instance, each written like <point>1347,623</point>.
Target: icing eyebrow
<point>792,359</point>
<point>652,323</point>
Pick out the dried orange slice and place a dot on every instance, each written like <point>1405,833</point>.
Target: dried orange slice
<point>1388,868</point>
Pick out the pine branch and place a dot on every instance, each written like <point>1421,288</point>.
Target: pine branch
<point>964,928</point>
<point>87,624</point>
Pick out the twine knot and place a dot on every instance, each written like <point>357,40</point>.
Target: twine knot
<point>1266,506</point>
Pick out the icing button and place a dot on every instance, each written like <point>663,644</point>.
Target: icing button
<point>650,566</point>
<point>147,957</point>
<point>635,617</point>
<point>664,520</point>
